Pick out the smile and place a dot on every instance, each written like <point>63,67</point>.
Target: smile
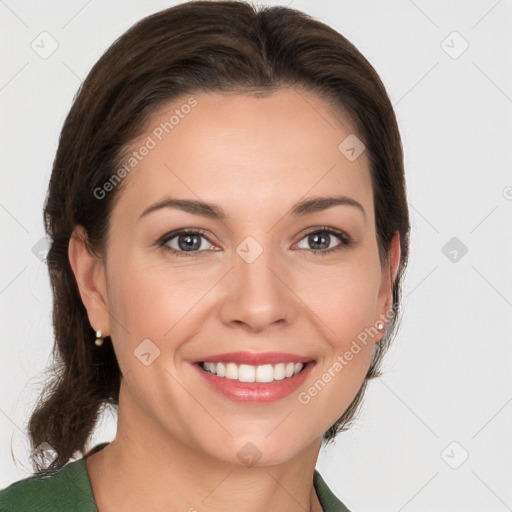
<point>254,377</point>
<point>248,373</point>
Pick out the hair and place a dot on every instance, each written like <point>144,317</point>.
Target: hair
<point>197,46</point>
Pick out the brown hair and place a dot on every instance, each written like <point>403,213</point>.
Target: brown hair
<point>192,47</point>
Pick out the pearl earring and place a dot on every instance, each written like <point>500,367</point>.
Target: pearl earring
<point>99,339</point>
<point>380,326</point>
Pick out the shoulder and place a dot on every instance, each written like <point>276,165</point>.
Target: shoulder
<point>327,499</point>
<point>68,489</point>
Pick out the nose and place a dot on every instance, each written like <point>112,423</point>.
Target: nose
<point>259,292</point>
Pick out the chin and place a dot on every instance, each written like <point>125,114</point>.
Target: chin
<point>260,450</point>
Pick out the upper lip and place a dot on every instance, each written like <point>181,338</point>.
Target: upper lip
<point>254,359</point>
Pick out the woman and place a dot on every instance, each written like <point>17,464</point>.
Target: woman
<point>229,231</point>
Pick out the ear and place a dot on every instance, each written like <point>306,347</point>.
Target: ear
<point>89,273</point>
<point>389,273</point>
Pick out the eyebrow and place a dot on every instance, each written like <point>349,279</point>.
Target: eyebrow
<point>315,204</point>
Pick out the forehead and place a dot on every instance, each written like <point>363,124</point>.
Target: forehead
<point>250,153</point>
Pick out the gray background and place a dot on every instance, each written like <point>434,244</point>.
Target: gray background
<point>446,392</point>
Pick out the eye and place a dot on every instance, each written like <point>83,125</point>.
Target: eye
<point>321,240</point>
<point>189,242</point>
<point>185,241</point>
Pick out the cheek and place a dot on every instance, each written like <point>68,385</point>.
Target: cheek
<point>344,298</point>
<point>346,306</point>
<point>153,302</point>
<point>152,310</point>
<point>151,297</point>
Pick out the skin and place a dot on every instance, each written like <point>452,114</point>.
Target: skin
<point>177,439</point>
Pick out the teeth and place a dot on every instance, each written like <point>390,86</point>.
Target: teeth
<point>231,371</point>
<point>220,370</point>
<point>248,373</point>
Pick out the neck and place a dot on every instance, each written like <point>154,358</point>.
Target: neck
<point>158,472</point>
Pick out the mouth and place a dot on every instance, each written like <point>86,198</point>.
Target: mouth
<point>262,374</point>
<point>257,383</point>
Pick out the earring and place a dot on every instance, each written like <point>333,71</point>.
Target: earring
<point>380,326</point>
<point>99,339</point>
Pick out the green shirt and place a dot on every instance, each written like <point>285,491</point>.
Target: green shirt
<point>69,490</point>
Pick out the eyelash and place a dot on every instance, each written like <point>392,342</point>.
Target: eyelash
<point>344,239</point>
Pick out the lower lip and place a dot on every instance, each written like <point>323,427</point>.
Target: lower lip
<point>257,392</point>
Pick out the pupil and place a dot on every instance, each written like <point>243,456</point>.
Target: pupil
<point>191,242</point>
<point>314,239</point>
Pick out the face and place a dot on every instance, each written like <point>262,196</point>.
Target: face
<point>265,277</point>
